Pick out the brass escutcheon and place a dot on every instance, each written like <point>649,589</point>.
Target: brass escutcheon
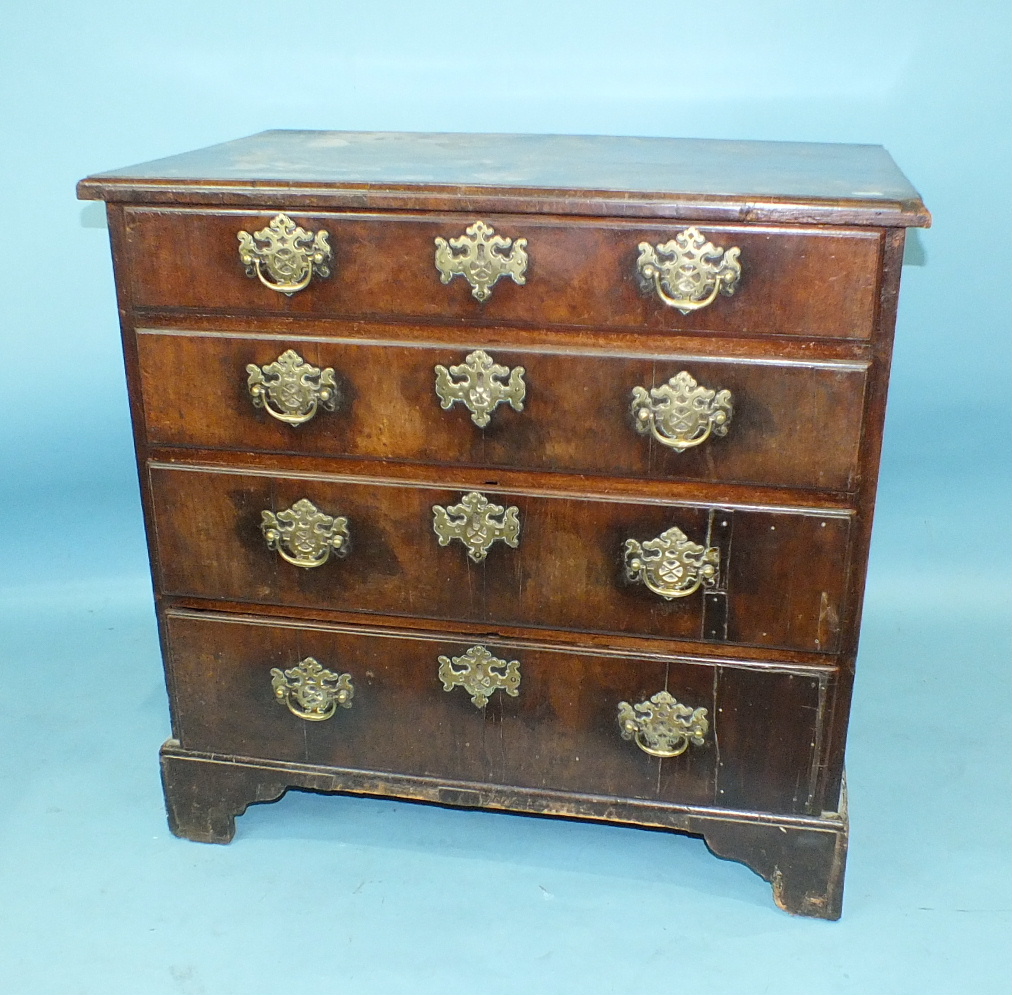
<point>290,389</point>
<point>480,389</point>
<point>290,255</point>
<point>482,257</point>
<point>480,674</point>
<point>681,414</point>
<point>310,691</point>
<point>477,523</point>
<point>303,535</point>
<point>688,272</point>
<point>672,565</point>
<point>661,726</point>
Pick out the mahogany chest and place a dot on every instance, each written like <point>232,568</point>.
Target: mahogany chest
<point>522,472</point>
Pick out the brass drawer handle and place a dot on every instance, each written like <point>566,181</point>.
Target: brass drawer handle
<point>688,272</point>
<point>480,674</point>
<point>290,389</point>
<point>290,254</point>
<point>480,390</point>
<point>303,535</point>
<point>661,726</point>
<point>477,523</point>
<point>672,565</point>
<point>681,414</point>
<point>481,257</point>
<point>310,691</point>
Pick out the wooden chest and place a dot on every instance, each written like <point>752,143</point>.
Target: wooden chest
<point>524,472</point>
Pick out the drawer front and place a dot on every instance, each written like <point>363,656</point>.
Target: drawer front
<point>781,577</point>
<point>575,408</point>
<point>558,730</point>
<point>794,281</point>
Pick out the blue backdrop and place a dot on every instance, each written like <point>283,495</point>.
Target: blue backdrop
<point>98,897</point>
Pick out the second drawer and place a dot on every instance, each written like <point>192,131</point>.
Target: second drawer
<point>663,416</point>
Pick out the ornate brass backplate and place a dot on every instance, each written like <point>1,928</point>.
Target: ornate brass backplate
<point>290,389</point>
<point>482,257</point>
<point>688,272</point>
<point>477,523</point>
<point>681,414</point>
<point>290,255</point>
<point>480,674</point>
<point>671,565</point>
<point>304,536</point>
<point>480,389</point>
<point>310,691</point>
<point>661,726</point>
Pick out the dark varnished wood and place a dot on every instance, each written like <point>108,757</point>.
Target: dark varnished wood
<point>559,733</point>
<point>580,273</point>
<point>803,858</point>
<point>809,331</point>
<point>576,413</point>
<point>566,573</point>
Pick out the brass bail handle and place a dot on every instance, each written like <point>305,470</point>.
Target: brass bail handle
<point>290,255</point>
<point>672,565</point>
<point>310,691</point>
<point>662,726</point>
<point>305,536</point>
<point>688,272</point>
<point>681,414</point>
<point>291,390</point>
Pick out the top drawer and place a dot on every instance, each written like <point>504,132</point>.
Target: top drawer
<point>785,281</point>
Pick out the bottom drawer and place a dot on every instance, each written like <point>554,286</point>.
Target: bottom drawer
<point>544,717</point>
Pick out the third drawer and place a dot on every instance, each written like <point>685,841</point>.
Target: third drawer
<point>766,577</point>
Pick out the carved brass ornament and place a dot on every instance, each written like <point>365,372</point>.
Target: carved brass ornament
<point>477,523</point>
<point>681,414</point>
<point>290,389</point>
<point>661,726</point>
<point>482,257</point>
<point>304,536</point>
<point>480,674</point>
<point>480,390</point>
<point>310,691</point>
<point>290,255</point>
<point>671,565</point>
<point>688,272</point>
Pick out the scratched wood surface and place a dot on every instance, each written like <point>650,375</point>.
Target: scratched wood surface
<point>574,174</point>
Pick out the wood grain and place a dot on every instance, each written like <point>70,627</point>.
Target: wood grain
<point>559,733</point>
<point>576,413</point>
<point>580,273</point>
<point>566,573</point>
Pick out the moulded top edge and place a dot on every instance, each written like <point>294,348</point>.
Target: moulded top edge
<point>569,174</point>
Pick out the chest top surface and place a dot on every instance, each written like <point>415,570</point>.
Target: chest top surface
<point>574,174</point>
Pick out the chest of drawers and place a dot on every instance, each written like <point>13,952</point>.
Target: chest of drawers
<point>525,472</point>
